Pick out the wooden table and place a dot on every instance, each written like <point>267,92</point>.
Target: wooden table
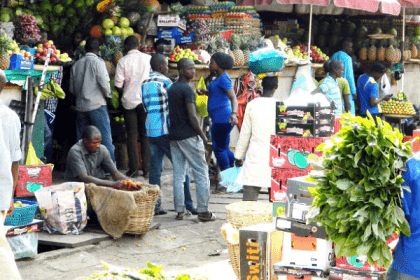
<point>396,120</point>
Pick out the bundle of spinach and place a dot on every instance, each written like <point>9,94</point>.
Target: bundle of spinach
<point>357,198</point>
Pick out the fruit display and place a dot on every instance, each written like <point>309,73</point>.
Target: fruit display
<point>56,56</point>
<point>178,54</point>
<point>129,185</point>
<point>52,89</point>
<point>26,27</point>
<point>5,44</point>
<point>301,51</point>
<point>398,105</point>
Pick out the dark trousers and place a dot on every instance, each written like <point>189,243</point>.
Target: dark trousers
<point>136,132</point>
<point>220,136</point>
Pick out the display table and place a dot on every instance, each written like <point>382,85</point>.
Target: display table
<point>396,120</point>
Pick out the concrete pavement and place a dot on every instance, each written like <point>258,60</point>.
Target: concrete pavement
<point>180,246</point>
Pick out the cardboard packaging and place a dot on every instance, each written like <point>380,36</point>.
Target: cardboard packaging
<point>298,273</point>
<point>314,129</point>
<point>260,246</point>
<point>170,21</point>
<point>32,178</point>
<point>301,229</point>
<point>279,179</point>
<point>279,209</point>
<point>289,152</point>
<point>306,252</point>
<point>346,274</point>
<point>311,112</point>
<point>299,198</point>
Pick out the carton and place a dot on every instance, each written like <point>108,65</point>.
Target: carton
<point>171,21</point>
<point>260,246</point>
<point>304,129</point>
<point>298,197</point>
<point>298,273</point>
<point>32,178</point>
<point>347,274</point>
<point>279,179</point>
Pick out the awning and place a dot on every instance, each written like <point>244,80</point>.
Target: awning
<point>310,2</point>
<point>391,7</point>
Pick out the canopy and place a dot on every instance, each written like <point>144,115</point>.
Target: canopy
<point>409,3</point>
<point>310,2</point>
<point>391,7</point>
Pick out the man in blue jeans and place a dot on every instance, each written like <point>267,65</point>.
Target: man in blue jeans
<point>89,82</point>
<point>187,143</point>
<point>155,100</point>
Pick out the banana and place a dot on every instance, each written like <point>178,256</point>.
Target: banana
<point>58,91</point>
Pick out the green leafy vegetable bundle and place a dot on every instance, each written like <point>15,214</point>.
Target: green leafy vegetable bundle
<point>359,186</point>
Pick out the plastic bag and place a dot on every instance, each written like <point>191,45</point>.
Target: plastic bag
<point>229,177</point>
<point>201,100</point>
<point>266,53</point>
<point>63,207</point>
<point>24,245</point>
<point>303,84</point>
<point>31,158</point>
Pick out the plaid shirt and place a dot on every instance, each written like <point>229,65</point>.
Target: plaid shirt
<point>155,100</point>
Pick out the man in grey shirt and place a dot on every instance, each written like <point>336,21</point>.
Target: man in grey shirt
<point>88,161</point>
<point>89,82</point>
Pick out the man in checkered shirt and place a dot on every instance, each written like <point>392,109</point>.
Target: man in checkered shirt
<point>155,100</point>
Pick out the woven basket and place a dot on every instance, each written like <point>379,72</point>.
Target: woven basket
<point>141,218</point>
<point>243,214</point>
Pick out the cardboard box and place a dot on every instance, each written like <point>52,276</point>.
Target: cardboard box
<point>304,129</point>
<point>306,252</point>
<point>289,152</point>
<point>299,198</point>
<point>361,263</point>
<point>297,273</point>
<point>260,246</point>
<point>279,179</point>
<point>300,229</point>
<point>32,178</point>
<point>279,209</point>
<point>169,33</point>
<point>171,21</point>
<point>346,274</point>
<point>310,112</point>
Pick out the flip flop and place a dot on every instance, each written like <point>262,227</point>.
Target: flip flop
<point>207,217</point>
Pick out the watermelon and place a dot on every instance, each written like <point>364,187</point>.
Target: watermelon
<point>393,31</point>
<point>322,41</point>
<point>5,17</point>
<point>58,9</point>
<point>334,41</point>
<point>133,17</point>
<point>337,28</point>
<point>324,28</point>
<point>70,13</point>
<point>361,32</point>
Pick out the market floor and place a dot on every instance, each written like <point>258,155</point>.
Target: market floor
<point>180,246</point>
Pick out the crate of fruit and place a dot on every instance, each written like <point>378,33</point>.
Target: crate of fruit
<point>24,213</point>
<point>17,62</point>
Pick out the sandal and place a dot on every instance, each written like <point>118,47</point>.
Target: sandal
<point>180,216</point>
<point>207,217</point>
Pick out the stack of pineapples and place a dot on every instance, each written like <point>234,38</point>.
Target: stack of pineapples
<point>388,50</point>
<point>5,43</point>
<point>238,47</point>
<point>112,53</point>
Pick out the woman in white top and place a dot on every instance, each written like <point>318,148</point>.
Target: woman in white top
<point>254,141</point>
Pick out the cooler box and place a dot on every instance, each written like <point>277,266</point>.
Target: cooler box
<point>260,246</point>
<point>32,178</point>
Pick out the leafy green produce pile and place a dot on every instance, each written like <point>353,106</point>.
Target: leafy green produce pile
<point>359,186</point>
<point>151,272</point>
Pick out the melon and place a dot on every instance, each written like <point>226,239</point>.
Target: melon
<point>337,28</point>
<point>322,41</point>
<point>350,28</point>
<point>334,41</point>
<point>393,31</point>
<point>361,32</point>
<point>324,28</point>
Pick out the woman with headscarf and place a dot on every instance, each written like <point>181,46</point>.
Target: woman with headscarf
<point>222,107</point>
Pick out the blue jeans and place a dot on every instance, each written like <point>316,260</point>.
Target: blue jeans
<point>159,146</point>
<point>394,274</point>
<point>190,152</point>
<point>100,119</point>
<point>220,135</point>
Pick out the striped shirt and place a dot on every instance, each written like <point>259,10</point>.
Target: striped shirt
<point>331,89</point>
<point>89,81</point>
<point>155,100</point>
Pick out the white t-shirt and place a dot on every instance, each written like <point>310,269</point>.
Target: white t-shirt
<point>9,152</point>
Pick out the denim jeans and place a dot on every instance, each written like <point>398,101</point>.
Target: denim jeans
<point>100,119</point>
<point>220,133</point>
<point>190,152</point>
<point>136,130</point>
<point>160,146</point>
<point>394,274</point>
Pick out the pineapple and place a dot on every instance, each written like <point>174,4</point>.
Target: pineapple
<point>106,52</point>
<point>245,49</point>
<point>380,56</point>
<point>235,42</point>
<point>398,56</point>
<point>372,52</point>
<point>218,44</point>
<point>5,42</point>
<point>116,47</point>
<point>390,53</point>
<point>407,51</point>
<point>414,51</point>
<point>363,53</point>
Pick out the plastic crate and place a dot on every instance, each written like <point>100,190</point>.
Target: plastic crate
<point>22,215</point>
<point>266,65</point>
<point>18,63</point>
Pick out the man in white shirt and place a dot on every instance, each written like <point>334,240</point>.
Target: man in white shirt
<point>131,71</point>
<point>10,155</point>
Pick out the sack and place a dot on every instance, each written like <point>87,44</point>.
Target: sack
<point>229,177</point>
<point>63,207</point>
<point>201,100</point>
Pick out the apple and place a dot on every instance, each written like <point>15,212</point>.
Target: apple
<point>58,52</point>
<point>37,55</point>
<point>39,50</point>
<point>40,46</point>
<point>50,42</point>
<point>46,45</point>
